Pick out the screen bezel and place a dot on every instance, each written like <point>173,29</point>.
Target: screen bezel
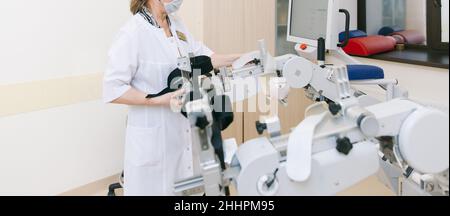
<point>332,11</point>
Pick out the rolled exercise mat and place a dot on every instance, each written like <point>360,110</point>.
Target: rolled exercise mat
<point>411,36</point>
<point>388,30</point>
<point>393,39</point>
<point>398,39</point>
<point>352,34</point>
<point>371,45</point>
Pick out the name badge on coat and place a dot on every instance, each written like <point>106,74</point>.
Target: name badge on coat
<point>182,36</point>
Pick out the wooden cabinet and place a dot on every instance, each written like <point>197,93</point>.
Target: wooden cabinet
<point>223,25</point>
<point>235,26</point>
<point>223,30</point>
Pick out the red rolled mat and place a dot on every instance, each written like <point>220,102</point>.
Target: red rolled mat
<point>370,45</point>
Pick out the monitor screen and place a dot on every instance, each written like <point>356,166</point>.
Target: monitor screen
<point>309,19</point>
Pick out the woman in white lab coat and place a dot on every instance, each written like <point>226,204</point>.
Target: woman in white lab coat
<point>158,149</point>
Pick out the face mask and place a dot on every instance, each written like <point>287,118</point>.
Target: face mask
<point>173,6</point>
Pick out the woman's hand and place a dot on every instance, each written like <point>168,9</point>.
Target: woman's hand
<point>172,100</point>
<point>135,97</point>
<point>219,61</point>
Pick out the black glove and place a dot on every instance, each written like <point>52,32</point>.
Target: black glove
<point>202,63</point>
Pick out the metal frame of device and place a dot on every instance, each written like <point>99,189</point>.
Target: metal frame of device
<point>332,39</point>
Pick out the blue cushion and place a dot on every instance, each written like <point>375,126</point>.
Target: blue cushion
<point>388,30</point>
<point>353,34</point>
<point>364,72</point>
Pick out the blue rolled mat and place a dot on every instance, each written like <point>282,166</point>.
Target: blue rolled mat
<point>353,34</point>
<point>388,30</point>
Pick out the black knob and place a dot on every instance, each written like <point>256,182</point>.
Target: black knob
<point>344,145</point>
<point>334,108</point>
<point>409,170</point>
<point>260,127</point>
<point>202,122</point>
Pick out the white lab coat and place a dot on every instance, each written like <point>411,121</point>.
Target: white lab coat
<point>158,149</point>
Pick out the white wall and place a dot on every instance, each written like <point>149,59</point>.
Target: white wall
<point>47,152</point>
<point>192,14</point>
<point>48,39</point>
<point>51,151</point>
<point>426,85</point>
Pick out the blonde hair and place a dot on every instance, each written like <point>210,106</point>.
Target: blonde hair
<point>137,5</point>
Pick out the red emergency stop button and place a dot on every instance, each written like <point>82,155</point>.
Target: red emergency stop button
<point>303,46</point>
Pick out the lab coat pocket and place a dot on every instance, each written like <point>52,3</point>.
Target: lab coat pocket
<point>144,146</point>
